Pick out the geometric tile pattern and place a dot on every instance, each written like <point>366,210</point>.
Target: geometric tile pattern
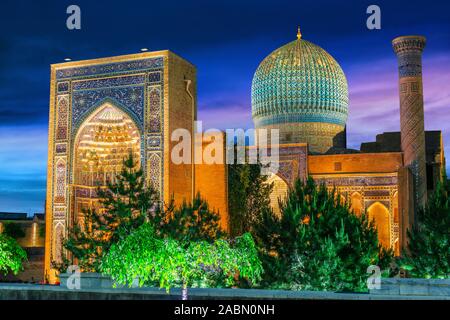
<point>154,114</point>
<point>110,68</point>
<point>62,121</point>
<point>60,182</point>
<point>135,87</point>
<point>299,82</point>
<point>85,101</point>
<point>154,171</point>
<point>409,53</point>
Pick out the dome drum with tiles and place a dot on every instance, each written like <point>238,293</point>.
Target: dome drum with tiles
<point>302,91</point>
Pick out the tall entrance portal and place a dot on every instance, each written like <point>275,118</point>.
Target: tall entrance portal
<point>102,110</point>
<point>104,140</point>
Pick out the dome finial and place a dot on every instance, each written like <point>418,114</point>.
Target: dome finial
<point>299,34</point>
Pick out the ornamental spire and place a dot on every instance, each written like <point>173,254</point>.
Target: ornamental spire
<point>299,34</point>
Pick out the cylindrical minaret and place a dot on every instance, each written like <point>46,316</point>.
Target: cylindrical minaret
<point>409,53</point>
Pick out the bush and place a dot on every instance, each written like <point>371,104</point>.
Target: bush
<point>12,255</point>
<point>318,243</point>
<point>144,256</point>
<point>428,254</point>
<point>127,205</point>
<point>14,230</point>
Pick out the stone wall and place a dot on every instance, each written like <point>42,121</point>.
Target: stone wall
<point>40,292</point>
<point>355,163</point>
<point>414,287</point>
<point>211,180</point>
<point>179,113</point>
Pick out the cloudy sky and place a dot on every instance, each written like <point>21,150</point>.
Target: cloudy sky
<point>226,40</point>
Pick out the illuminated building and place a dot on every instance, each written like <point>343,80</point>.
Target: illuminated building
<point>302,91</point>
<point>103,109</point>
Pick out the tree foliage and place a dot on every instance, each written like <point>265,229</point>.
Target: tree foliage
<point>189,222</point>
<point>149,258</point>
<point>248,196</point>
<point>13,230</point>
<point>428,254</point>
<point>125,205</point>
<point>318,243</point>
<point>12,256</point>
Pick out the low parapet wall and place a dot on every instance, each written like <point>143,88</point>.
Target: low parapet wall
<point>413,287</point>
<point>47,292</point>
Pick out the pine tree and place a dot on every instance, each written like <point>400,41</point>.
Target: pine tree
<point>248,196</point>
<point>317,243</point>
<point>190,222</point>
<point>428,254</point>
<point>125,205</point>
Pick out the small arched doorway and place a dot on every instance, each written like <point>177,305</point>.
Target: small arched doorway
<point>103,141</point>
<point>356,203</point>
<point>279,191</point>
<point>380,214</point>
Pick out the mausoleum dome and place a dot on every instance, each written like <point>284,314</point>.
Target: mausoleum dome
<point>301,90</point>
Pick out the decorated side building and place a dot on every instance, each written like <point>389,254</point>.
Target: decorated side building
<point>103,109</point>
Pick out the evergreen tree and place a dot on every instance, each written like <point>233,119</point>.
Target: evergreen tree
<point>428,254</point>
<point>125,205</point>
<point>317,243</point>
<point>190,222</point>
<point>248,196</point>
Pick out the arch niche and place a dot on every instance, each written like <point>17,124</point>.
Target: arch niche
<point>103,140</point>
<point>356,203</point>
<point>279,191</point>
<point>380,214</point>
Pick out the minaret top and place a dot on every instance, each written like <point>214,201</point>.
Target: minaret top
<point>299,34</point>
<point>408,43</point>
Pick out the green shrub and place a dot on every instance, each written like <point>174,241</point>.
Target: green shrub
<point>12,256</point>
<point>318,243</point>
<point>14,230</point>
<point>128,204</point>
<point>428,254</point>
<point>148,258</point>
<point>125,206</point>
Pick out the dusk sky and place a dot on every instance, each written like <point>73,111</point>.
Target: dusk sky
<point>226,41</point>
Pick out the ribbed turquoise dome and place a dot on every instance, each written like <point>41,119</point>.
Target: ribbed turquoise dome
<point>299,83</point>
